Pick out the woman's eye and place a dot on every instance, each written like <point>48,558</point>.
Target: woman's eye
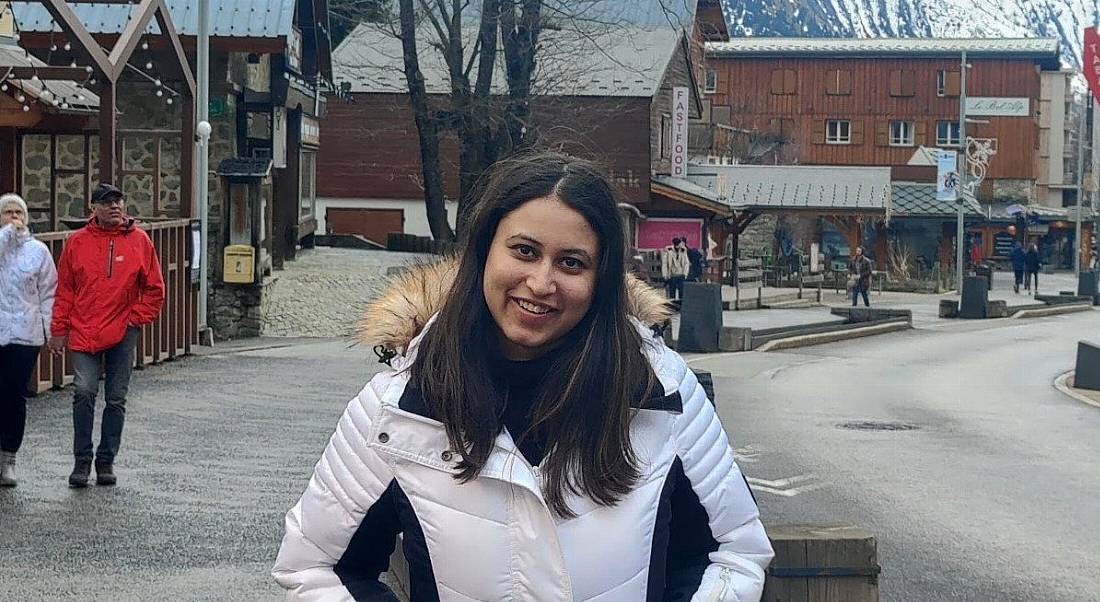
<point>572,263</point>
<point>525,250</point>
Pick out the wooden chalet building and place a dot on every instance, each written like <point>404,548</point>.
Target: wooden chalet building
<point>606,96</point>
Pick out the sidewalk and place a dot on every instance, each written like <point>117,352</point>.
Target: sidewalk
<point>217,448</point>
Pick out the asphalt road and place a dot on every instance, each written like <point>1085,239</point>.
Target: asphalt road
<point>992,494</point>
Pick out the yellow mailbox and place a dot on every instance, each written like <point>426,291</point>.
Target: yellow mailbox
<point>239,264</point>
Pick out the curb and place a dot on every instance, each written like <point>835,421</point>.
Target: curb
<point>1062,384</point>
<point>831,337</point>
<point>1055,310</point>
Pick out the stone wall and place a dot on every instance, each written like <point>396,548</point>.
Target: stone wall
<point>759,237</point>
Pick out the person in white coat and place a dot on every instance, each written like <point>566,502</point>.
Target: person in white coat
<point>675,267</point>
<point>28,281</point>
<point>532,439</point>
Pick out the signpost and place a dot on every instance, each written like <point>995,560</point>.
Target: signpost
<point>681,102</point>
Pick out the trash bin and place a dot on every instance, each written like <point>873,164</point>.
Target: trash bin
<point>1087,285</point>
<point>700,317</point>
<point>985,270</point>
<point>975,298</point>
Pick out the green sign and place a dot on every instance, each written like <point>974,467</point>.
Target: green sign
<point>217,107</point>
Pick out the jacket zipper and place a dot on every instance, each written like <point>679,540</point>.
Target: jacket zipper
<point>110,258</point>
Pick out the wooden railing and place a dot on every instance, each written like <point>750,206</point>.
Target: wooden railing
<point>172,334</point>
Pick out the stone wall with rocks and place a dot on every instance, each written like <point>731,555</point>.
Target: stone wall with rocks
<point>759,237</point>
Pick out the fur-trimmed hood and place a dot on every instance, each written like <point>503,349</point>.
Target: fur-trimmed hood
<point>395,318</point>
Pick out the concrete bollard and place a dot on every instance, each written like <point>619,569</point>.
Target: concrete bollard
<point>1088,285</point>
<point>949,308</point>
<point>1087,375</point>
<point>820,563</point>
<point>975,298</point>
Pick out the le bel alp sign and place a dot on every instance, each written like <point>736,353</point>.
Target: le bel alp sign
<point>988,106</point>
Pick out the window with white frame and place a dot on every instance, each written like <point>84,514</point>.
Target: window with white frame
<point>838,131</point>
<point>711,82</point>
<point>901,133</point>
<point>947,133</point>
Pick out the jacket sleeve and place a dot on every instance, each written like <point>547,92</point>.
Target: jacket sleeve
<point>736,569</point>
<point>151,298</point>
<point>66,292</point>
<point>340,534</point>
<point>47,290</point>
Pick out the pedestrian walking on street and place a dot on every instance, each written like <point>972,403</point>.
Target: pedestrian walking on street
<point>28,281</point>
<point>1032,264</point>
<point>861,269</point>
<point>533,440</point>
<point>110,285</point>
<point>1018,257</point>
<point>698,263</point>
<point>675,267</point>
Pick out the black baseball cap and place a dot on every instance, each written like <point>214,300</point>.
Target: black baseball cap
<point>105,191</point>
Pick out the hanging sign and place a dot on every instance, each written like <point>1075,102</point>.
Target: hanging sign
<point>680,113</point>
<point>947,176</point>
<point>278,137</point>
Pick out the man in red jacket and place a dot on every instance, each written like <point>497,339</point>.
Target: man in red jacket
<point>109,286</point>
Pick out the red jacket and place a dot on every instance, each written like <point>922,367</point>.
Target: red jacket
<point>108,280</point>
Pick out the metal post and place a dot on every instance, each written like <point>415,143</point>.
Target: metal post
<point>960,234</point>
<point>1082,131</point>
<point>202,106</point>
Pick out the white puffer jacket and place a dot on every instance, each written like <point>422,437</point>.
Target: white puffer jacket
<point>689,530</point>
<point>28,281</point>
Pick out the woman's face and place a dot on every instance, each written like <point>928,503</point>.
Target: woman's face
<point>12,212</point>
<point>540,275</point>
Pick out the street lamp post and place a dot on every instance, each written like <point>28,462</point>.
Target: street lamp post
<point>202,117</point>
<point>1082,132</point>
<point>960,234</point>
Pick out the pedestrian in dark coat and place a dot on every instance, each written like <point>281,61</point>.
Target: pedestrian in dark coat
<point>1031,264</point>
<point>1019,262</point>
<point>861,268</point>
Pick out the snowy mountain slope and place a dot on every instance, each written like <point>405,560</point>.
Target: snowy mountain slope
<point>1064,19</point>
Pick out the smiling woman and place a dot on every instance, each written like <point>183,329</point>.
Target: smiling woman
<point>531,428</point>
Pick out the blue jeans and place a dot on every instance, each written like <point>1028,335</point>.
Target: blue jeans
<point>857,290</point>
<point>118,362</point>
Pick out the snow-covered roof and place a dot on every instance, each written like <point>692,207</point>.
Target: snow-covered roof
<point>627,61</point>
<point>797,187</point>
<point>1034,48</point>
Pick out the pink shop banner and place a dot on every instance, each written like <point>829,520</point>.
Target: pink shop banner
<point>657,233</point>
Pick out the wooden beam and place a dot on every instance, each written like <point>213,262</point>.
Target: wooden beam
<point>168,30</point>
<point>108,149</point>
<point>86,44</point>
<point>76,74</point>
<point>131,35</point>
<point>188,199</point>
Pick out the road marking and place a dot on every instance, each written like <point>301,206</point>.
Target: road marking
<point>747,454</point>
<point>783,487</point>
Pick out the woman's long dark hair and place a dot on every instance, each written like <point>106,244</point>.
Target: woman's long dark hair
<point>584,410</point>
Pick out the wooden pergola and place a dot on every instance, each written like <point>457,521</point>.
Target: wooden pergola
<point>108,68</point>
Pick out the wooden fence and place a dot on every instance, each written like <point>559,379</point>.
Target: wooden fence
<point>172,334</point>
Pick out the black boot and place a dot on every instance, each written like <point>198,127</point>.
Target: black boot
<point>81,471</point>
<point>104,474</point>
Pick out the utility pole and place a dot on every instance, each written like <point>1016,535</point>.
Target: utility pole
<point>202,119</point>
<point>960,233</point>
<point>1082,132</point>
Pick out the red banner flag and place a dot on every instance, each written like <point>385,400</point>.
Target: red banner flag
<point>1092,60</point>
